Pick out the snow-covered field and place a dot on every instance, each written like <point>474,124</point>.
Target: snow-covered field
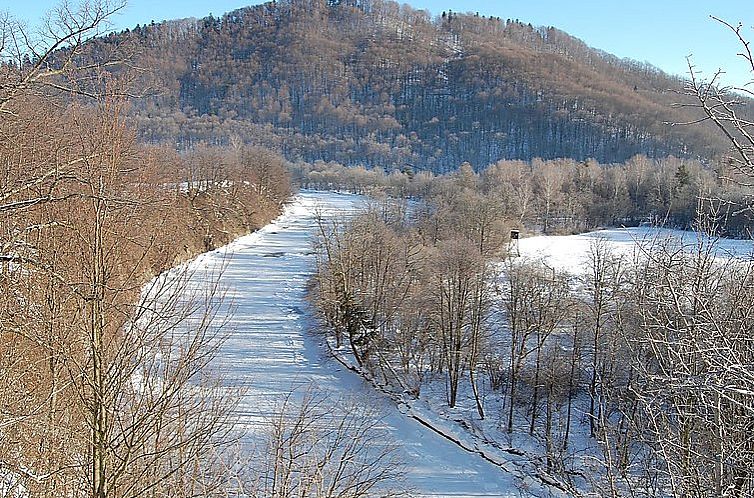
<point>270,352</point>
<point>571,252</point>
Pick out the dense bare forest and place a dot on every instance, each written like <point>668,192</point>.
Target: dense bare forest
<point>375,83</point>
<point>99,395</point>
<point>647,357</point>
<point>562,196</point>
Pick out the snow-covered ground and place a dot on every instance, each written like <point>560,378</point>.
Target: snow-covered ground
<point>270,351</point>
<point>11,486</point>
<point>571,252</point>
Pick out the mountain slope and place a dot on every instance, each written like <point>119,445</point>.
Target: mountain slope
<point>372,82</point>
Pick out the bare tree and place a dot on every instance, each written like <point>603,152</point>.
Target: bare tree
<point>604,284</point>
<point>726,108</point>
<point>695,389</point>
<point>550,179</point>
<point>320,447</point>
<point>536,303</point>
<point>122,402</point>
<point>46,62</point>
<point>459,300</point>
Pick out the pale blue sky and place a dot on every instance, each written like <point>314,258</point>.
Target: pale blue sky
<point>661,32</point>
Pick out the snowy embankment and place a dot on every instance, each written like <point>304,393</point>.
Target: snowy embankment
<point>269,351</point>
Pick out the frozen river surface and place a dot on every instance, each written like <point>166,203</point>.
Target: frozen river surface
<point>270,351</point>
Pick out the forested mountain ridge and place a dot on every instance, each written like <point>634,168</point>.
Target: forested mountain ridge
<point>377,83</point>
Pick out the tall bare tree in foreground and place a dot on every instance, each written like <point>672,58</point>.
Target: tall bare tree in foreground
<point>46,62</point>
<point>122,397</point>
<point>537,303</point>
<point>692,347</point>
<point>105,388</point>
<point>724,106</point>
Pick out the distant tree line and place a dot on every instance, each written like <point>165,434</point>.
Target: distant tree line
<point>565,196</point>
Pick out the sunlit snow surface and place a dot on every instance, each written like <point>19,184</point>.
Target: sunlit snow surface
<point>269,350</point>
<point>571,252</point>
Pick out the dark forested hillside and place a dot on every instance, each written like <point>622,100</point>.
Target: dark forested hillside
<point>376,83</point>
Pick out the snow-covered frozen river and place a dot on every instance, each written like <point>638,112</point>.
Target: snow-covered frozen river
<point>270,351</point>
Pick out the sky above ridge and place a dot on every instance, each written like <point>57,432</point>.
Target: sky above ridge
<point>661,32</point>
